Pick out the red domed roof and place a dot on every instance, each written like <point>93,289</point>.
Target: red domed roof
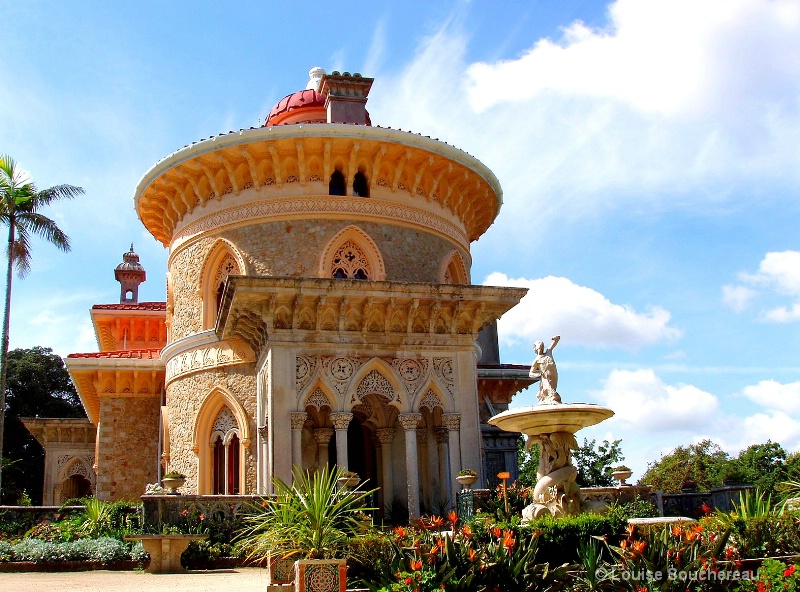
<point>303,106</point>
<point>308,104</point>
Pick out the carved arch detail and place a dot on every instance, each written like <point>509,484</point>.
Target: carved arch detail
<point>222,260</point>
<point>453,270</point>
<point>363,243</point>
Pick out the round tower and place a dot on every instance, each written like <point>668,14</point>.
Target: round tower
<point>318,298</point>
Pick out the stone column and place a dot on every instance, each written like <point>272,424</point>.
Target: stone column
<point>424,465</point>
<point>298,419</point>
<point>263,450</point>
<point>385,437</point>
<point>410,421</point>
<point>341,421</point>
<point>453,423</point>
<point>322,436</point>
<point>442,438</point>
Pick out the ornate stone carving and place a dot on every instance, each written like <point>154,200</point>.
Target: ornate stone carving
<point>308,206</point>
<point>385,435</point>
<point>263,432</point>
<point>544,368</point>
<point>409,421</point>
<point>225,424</point>
<point>323,435</point>
<point>205,357</point>
<point>375,382</point>
<point>341,421</point>
<point>298,418</point>
<point>422,435</point>
<point>442,435</point>
<point>452,421</point>
<point>317,399</point>
<point>349,262</point>
<point>430,400</point>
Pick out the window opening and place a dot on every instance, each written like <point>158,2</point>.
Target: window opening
<point>225,453</point>
<point>336,186</point>
<point>349,262</point>
<point>360,185</point>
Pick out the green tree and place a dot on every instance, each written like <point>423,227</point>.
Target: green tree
<point>763,465</point>
<point>527,462</point>
<point>38,386</point>
<point>595,462</point>
<point>703,463</point>
<point>20,202</point>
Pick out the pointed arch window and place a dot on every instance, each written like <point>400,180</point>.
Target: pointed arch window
<point>220,264</point>
<point>349,262</point>
<point>225,454</point>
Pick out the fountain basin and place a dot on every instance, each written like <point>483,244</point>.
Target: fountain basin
<point>535,420</point>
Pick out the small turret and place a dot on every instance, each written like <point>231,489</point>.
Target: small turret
<point>129,274</point>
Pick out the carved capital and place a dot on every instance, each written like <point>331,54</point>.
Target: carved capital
<point>385,435</point>
<point>409,421</point>
<point>442,435</point>
<point>341,421</point>
<point>452,421</point>
<point>323,435</point>
<point>263,432</point>
<point>422,435</point>
<point>298,418</point>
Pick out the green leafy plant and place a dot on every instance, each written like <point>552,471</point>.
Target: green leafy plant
<point>467,473</point>
<point>174,475</point>
<point>773,575</point>
<point>96,517</point>
<point>313,518</point>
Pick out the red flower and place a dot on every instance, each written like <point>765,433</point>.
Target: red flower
<point>789,571</point>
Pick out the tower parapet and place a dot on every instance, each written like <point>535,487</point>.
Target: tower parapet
<point>130,273</point>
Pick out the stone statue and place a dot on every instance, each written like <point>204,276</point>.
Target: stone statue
<point>544,368</point>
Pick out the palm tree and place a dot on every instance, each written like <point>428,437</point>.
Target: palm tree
<point>20,201</point>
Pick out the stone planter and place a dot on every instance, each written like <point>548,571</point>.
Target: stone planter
<point>467,481</point>
<point>621,476</point>
<point>172,484</point>
<point>348,482</point>
<point>165,550</point>
<point>320,575</point>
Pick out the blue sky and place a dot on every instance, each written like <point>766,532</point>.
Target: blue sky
<point>647,151</point>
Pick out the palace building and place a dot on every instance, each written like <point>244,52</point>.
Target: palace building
<point>319,310</point>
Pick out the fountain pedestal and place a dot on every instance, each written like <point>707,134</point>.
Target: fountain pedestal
<point>553,427</point>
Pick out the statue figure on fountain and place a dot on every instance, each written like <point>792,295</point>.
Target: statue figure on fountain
<point>544,368</point>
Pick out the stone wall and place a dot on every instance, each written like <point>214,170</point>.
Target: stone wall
<point>294,248</point>
<point>128,450</point>
<point>185,397</point>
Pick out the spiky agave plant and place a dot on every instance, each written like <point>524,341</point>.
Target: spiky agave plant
<point>312,518</point>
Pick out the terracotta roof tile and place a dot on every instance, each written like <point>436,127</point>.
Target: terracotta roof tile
<point>131,354</point>
<point>157,306</point>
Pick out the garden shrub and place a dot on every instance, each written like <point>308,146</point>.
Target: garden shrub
<point>371,555</point>
<point>200,553</point>
<point>6,552</point>
<point>104,550</point>
<point>559,538</point>
<point>770,535</point>
<point>45,531</point>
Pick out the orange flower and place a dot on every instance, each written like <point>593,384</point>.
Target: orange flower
<point>508,540</point>
<point>436,522</point>
<point>466,531</point>
<point>472,556</point>
<point>202,516</point>
<point>399,531</point>
<point>440,543</point>
<point>677,530</point>
<point>416,564</point>
<point>638,546</point>
<point>495,531</point>
<point>184,512</point>
<point>452,516</point>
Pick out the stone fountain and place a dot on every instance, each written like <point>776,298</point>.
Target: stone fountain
<point>552,425</point>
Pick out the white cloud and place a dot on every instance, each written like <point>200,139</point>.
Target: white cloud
<point>670,105</point>
<point>640,399</point>
<point>579,314</point>
<point>774,395</point>
<point>737,297</point>
<point>778,273</point>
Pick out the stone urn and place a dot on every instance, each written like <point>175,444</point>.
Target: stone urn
<point>348,481</point>
<point>173,483</point>
<point>621,475</point>
<point>467,481</point>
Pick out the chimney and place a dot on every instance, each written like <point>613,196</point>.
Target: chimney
<point>346,97</point>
